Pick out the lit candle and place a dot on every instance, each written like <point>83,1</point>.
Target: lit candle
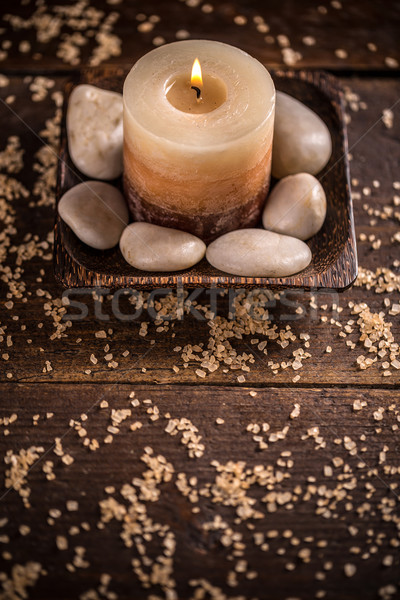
<point>197,144</point>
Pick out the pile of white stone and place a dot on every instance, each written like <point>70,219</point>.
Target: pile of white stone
<point>294,211</point>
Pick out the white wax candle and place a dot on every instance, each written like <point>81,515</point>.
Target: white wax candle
<point>203,166</point>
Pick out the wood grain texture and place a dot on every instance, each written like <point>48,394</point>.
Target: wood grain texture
<point>361,497</point>
<point>334,254</point>
<point>351,28</point>
<point>150,362</point>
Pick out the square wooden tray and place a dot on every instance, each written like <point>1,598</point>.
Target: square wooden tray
<point>334,263</point>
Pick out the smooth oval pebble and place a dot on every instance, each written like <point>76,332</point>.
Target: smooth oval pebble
<point>296,206</point>
<point>302,142</point>
<point>94,129</point>
<point>153,248</point>
<point>96,212</point>
<point>258,253</point>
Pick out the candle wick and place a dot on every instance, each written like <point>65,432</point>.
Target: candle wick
<point>197,90</point>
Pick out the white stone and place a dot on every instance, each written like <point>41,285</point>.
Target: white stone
<point>153,248</point>
<point>94,128</point>
<point>96,212</point>
<point>258,253</point>
<point>302,141</point>
<point>296,206</point>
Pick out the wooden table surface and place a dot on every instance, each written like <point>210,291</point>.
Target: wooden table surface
<point>129,470</point>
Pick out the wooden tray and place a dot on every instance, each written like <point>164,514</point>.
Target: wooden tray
<point>334,263</point>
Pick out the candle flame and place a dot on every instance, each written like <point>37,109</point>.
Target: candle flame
<point>196,78</point>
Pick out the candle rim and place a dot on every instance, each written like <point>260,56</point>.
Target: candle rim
<point>190,117</point>
<point>201,149</point>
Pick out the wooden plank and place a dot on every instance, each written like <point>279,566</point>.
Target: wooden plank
<point>35,316</point>
<point>347,27</point>
<point>331,480</point>
<point>69,358</point>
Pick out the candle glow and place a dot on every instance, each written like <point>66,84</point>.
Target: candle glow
<point>196,78</point>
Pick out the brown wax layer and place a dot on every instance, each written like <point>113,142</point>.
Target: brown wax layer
<point>205,208</point>
<point>207,226</point>
<point>194,193</point>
